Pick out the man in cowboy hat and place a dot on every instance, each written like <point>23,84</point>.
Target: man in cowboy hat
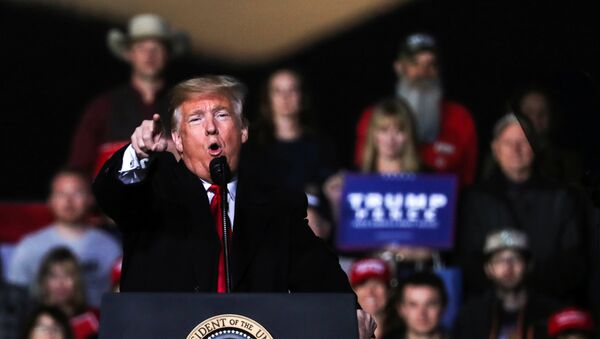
<point>147,46</point>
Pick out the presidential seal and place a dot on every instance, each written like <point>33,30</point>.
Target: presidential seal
<point>229,326</point>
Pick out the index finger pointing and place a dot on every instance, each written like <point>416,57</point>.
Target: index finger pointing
<point>156,123</point>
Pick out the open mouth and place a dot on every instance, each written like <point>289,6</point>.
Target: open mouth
<point>214,149</point>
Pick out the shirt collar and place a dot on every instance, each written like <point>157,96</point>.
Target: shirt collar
<point>231,187</point>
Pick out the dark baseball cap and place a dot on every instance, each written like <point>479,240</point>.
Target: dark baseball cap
<point>415,43</point>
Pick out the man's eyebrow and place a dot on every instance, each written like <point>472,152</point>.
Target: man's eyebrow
<point>196,112</point>
<point>220,108</point>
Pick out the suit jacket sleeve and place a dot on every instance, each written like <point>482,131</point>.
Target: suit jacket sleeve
<point>125,204</point>
<point>314,268</point>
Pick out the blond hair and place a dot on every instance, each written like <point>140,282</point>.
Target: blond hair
<point>225,85</point>
<point>395,111</point>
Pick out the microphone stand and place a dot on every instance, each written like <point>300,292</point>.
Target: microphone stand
<point>226,228</point>
<point>220,174</point>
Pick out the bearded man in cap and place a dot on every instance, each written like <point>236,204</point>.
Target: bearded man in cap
<point>445,129</point>
<point>107,122</point>
<point>509,309</point>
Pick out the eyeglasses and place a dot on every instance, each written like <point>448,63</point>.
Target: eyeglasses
<point>512,260</point>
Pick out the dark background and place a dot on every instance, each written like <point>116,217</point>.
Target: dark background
<point>54,62</point>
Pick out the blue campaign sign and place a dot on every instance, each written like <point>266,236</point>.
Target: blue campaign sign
<point>401,209</point>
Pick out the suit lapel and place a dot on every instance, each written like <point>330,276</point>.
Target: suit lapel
<point>205,244</point>
<point>251,219</point>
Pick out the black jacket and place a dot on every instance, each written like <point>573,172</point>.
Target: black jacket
<point>171,244</point>
<point>477,318</point>
<point>551,217</point>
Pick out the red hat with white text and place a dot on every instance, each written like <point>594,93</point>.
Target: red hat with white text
<point>570,319</point>
<point>370,268</point>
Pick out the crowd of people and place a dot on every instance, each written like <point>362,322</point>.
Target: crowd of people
<point>522,242</point>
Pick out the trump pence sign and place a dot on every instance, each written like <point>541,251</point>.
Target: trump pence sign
<point>402,209</point>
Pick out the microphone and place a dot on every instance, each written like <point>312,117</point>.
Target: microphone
<point>220,174</point>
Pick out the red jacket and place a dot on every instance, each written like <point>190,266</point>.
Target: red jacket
<point>454,151</point>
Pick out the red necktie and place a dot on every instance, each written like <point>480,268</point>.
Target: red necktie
<point>215,208</point>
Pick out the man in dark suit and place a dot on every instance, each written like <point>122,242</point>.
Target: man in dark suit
<point>159,191</point>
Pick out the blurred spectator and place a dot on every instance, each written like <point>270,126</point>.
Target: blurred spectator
<point>70,200</point>
<point>59,284</point>
<point>390,147</point>
<point>509,309</point>
<point>370,279</point>
<point>284,142</point>
<point>444,128</point>
<point>415,309</point>
<point>47,322</point>
<point>554,162</point>
<point>517,196</point>
<point>107,122</point>
<point>534,103</point>
<point>571,323</point>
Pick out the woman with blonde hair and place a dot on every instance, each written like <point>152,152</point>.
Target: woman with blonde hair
<point>391,145</point>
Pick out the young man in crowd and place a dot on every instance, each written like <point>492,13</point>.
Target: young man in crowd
<point>509,309</point>
<point>416,310</point>
<point>446,131</point>
<point>70,201</point>
<point>106,125</point>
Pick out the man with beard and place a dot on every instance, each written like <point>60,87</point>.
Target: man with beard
<point>106,125</point>
<point>509,309</point>
<point>446,132</point>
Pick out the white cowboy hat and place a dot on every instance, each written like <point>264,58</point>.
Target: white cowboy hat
<point>144,26</point>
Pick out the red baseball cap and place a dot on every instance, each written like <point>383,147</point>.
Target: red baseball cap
<point>370,268</point>
<point>570,318</point>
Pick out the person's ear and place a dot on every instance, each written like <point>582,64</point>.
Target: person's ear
<point>244,130</point>
<point>177,140</point>
<point>399,68</point>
